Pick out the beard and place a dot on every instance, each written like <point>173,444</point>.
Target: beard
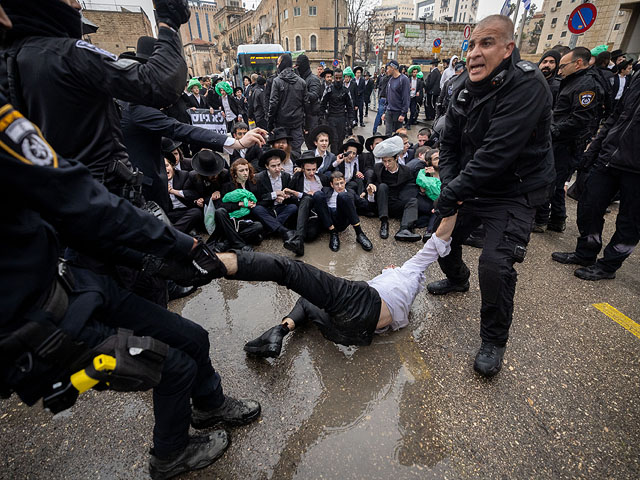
<point>546,71</point>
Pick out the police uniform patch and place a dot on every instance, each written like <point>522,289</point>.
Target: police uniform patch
<point>586,98</point>
<point>22,140</point>
<point>93,48</point>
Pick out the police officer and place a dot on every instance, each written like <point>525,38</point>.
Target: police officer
<point>496,165</point>
<point>56,318</point>
<point>338,110</point>
<point>575,119</point>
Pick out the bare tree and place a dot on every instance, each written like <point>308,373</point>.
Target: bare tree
<point>357,21</point>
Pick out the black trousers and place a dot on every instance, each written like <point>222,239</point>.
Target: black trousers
<point>186,219</point>
<point>508,224</point>
<point>187,374</point>
<point>555,211</point>
<point>404,204</point>
<point>226,230</point>
<point>339,125</point>
<point>391,122</point>
<point>347,312</point>
<point>340,217</point>
<point>601,187</point>
<point>360,111</point>
<point>414,108</point>
<point>430,106</point>
<point>307,223</point>
<point>274,218</point>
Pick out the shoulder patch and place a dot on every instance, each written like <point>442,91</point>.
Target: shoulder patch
<point>93,48</point>
<point>526,66</point>
<point>586,98</point>
<point>22,140</point>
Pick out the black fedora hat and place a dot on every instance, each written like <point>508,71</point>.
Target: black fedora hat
<point>368,144</point>
<point>207,163</point>
<point>169,145</point>
<point>144,49</point>
<point>318,130</point>
<point>357,68</point>
<point>352,143</point>
<point>270,153</point>
<point>279,134</point>
<point>308,156</point>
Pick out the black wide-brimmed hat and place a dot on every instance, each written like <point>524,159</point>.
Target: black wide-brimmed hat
<point>308,156</point>
<point>313,134</point>
<point>169,145</point>
<point>279,134</point>
<point>207,163</point>
<point>368,144</point>
<point>357,68</point>
<point>352,143</point>
<point>144,49</point>
<point>270,153</point>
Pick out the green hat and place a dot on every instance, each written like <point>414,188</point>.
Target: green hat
<point>420,75</point>
<point>224,86</point>
<point>194,82</point>
<point>347,72</point>
<point>414,67</point>
<point>598,50</point>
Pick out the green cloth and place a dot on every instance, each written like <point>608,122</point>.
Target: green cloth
<point>192,82</point>
<point>598,50</point>
<point>347,72</point>
<point>431,185</point>
<point>420,75</point>
<point>414,67</point>
<point>240,195</point>
<point>224,85</point>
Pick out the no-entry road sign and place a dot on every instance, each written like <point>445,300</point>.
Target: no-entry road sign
<point>377,49</point>
<point>467,31</point>
<point>396,36</point>
<point>582,18</point>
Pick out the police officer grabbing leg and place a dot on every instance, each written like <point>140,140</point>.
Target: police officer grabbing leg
<point>495,165</point>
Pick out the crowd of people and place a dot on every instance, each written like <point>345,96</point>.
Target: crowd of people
<point>145,207</point>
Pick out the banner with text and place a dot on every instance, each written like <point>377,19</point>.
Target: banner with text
<point>202,118</point>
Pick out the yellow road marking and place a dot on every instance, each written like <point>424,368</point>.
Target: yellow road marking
<point>618,317</point>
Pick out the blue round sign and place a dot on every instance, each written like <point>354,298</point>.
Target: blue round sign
<point>322,64</point>
<point>335,63</point>
<point>582,18</point>
<point>437,42</point>
<point>465,45</point>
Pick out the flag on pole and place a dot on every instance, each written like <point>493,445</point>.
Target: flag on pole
<point>505,8</point>
<point>527,4</point>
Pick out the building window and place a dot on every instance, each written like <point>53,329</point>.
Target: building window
<point>286,43</point>
<point>190,32</point>
<point>298,42</point>
<point>313,43</point>
<point>206,19</point>
<point>617,26</point>
<point>559,4</point>
<point>554,21</point>
<point>563,34</point>
<point>198,24</point>
<point>286,13</point>
<point>296,11</point>
<point>566,19</point>
<point>313,11</point>
<point>550,37</point>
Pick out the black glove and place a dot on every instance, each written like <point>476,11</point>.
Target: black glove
<point>172,12</point>
<point>445,205</point>
<point>202,266</point>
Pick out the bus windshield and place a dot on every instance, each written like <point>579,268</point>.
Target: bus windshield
<point>258,58</point>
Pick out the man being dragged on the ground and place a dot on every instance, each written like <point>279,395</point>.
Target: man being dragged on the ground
<point>347,312</point>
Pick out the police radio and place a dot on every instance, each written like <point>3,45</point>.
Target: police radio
<point>499,79</point>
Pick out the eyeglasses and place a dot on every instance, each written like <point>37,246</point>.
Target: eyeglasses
<point>563,65</point>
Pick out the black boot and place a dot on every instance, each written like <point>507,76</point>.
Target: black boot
<point>489,359</point>
<point>594,273</point>
<point>294,243</point>
<point>269,343</point>
<point>231,412</point>
<point>334,242</point>
<point>176,291</point>
<point>556,225</point>
<point>201,451</point>
<point>442,287</point>
<point>570,258</point>
<point>384,229</point>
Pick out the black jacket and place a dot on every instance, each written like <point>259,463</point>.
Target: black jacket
<point>201,187</point>
<point>297,181</point>
<point>405,177</point>
<point>368,90</point>
<point>618,141</point>
<point>76,111</point>
<point>194,102</point>
<point>337,103</point>
<point>419,89</point>
<point>605,77</point>
<point>432,86</point>
<point>445,96</point>
<point>231,186</point>
<point>360,89</point>
<point>265,190</point>
<point>383,80</point>
<point>353,90</point>
<point>180,178</point>
<point>498,144</point>
<point>578,109</point>
<point>315,90</point>
<point>554,86</point>
<point>287,100</point>
<point>255,109</point>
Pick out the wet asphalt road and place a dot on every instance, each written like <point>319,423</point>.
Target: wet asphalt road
<point>408,406</point>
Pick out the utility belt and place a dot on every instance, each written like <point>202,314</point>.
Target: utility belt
<point>125,182</point>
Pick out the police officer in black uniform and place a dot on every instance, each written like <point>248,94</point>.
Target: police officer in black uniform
<point>337,109</point>
<point>496,165</point>
<point>576,115</point>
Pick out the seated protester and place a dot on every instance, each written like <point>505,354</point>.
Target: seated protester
<point>393,190</point>
<point>183,215</point>
<point>172,151</point>
<point>195,100</point>
<point>321,138</point>
<point>346,312</point>
<point>336,209</point>
<point>403,158</point>
<point>231,111</point>
<point>348,164</point>
<point>281,140</point>
<point>428,181</point>
<point>368,159</point>
<point>275,207</point>
<point>238,131</point>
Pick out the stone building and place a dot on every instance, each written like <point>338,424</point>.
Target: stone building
<point>389,12</point>
<point>457,11</point>
<point>118,28</point>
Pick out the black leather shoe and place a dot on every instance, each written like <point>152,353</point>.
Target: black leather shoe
<point>362,125</point>
<point>593,273</point>
<point>489,359</point>
<point>269,343</point>
<point>384,230</point>
<point>427,235</point>
<point>539,227</point>
<point>176,291</point>
<point>364,242</point>
<point>570,258</point>
<point>444,286</point>
<point>406,235</point>
<point>231,412</point>
<point>557,226</point>
<point>334,242</point>
<point>201,451</point>
<point>294,243</point>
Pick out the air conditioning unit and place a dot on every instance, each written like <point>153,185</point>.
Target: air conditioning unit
<point>553,25</point>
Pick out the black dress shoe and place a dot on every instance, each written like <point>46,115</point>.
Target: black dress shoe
<point>489,359</point>
<point>442,287</point>
<point>362,125</point>
<point>593,273</point>
<point>570,258</point>
<point>556,225</point>
<point>364,242</point>
<point>201,451</point>
<point>176,291</point>
<point>427,235</point>
<point>406,235</point>
<point>334,242</point>
<point>539,227</point>
<point>269,343</point>
<point>384,230</point>
<point>232,412</point>
<point>294,243</point>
